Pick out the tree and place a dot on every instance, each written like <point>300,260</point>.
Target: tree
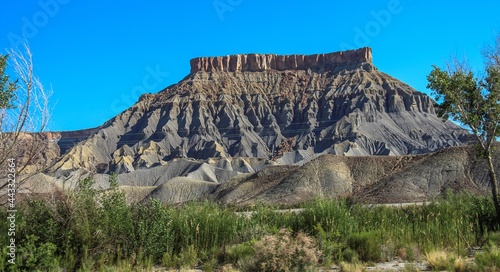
<point>473,102</point>
<point>24,112</point>
<point>7,87</point>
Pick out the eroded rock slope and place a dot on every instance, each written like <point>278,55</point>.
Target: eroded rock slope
<point>270,107</point>
<point>366,179</point>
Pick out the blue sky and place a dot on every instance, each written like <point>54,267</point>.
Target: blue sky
<point>99,56</point>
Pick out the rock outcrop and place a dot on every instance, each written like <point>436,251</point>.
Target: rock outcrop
<point>263,62</point>
<point>269,107</point>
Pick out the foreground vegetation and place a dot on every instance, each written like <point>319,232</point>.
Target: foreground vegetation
<point>96,230</point>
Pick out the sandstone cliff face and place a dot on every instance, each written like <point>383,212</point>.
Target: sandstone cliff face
<point>263,62</point>
<point>269,106</point>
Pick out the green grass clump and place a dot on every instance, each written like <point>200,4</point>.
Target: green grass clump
<point>488,260</point>
<point>366,245</point>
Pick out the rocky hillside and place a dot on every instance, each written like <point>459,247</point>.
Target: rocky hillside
<point>271,107</point>
<point>246,181</point>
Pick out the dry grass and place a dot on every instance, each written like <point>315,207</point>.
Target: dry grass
<point>351,267</point>
<point>228,268</point>
<point>411,268</point>
<point>439,259</point>
<point>460,264</point>
<point>283,252</point>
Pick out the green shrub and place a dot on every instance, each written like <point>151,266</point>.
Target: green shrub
<point>41,216</point>
<point>187,258</point>
<point>115,224</point>
<point>235,253</point>
<point>168,260</point>
<point>331,244</point>
<point>34,256</point>
<point>210,265</point>
<point>153,235</point>
<point>350,255</point>
<point>367,245</point>
<point>493,238</point>
<point>489,260</point>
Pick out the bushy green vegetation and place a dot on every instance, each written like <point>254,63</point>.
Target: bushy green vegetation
<point>489,260</point>
<point>91,229</point>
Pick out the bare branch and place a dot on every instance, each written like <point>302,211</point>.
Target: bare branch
<point>458,65</point>
<point>491,53</point>
<point>22,127</point>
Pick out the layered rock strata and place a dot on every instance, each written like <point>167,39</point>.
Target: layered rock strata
<point>287,108</point>
<point>263,62</point>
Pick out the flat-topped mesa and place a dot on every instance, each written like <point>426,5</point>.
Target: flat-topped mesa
<point>262,62</point>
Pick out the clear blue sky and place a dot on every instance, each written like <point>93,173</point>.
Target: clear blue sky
<point>99,56</point>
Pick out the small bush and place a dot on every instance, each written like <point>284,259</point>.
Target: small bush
<point>367,245</point>
<point>439,260</point>
<point>494,238</point>
<point>34,256</point>
<point>488,260</point>
<point>238,252</point>
<point>331,244</point>
<point>188,258</point>
<point>408,253</point>
<point>210,265</point>
<point>350,255</point>
<point>404,254</point>
<point>282,252</point>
